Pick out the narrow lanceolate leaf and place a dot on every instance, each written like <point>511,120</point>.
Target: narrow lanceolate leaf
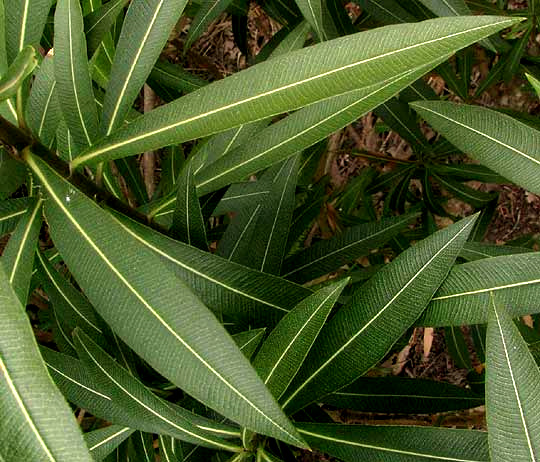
<point>299,78</point>
<point>71,308</point>
<point>18,257</point>
<point>512,388</point>
<point>43,112</point>
<point>74,85</point>
<point>478,250</point>
<point>535,83</point>
<point>402,396</point>
<point>328,255</point>
<point>316,14</point>
<point>126,391</point>
<point>287,346</point>
<point>11,211</point>
<point>249,340</point>
<point>299,131</point>
<point>142,444</point>
<point>378,314</point>
<point>146,27</point>
<point>387,11</point>
<point>188,223</point>
<point>207,12</point>
<point>103,441</point>
<point>98,23</point>
<point>22,67</point>
<point>80,388</point>
<point>396,443</point>
<point>227,288</point>
<point>463,297</point>
<point>25,20</point>
<point>272,227</point>
<point>189,346</point>
<point>448,7</point>
<point>496,140</point>
<point>37,423</point>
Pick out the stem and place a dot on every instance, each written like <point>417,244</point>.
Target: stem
<point>20,108</point>
<point>19,139</point>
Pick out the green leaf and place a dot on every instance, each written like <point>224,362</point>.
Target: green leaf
<point>207,12</point>
<point>129,169</point>
<point>477,250</point>
<point>227,288</point>
<point>324,74</point>
<point>299,131</point>
<point>190,339</point>
<point>37,423</point>
<point>378,314</point>
<point>512,388</point>
<point>80,388</point>
<point>142,446</point>
<point>188,223</point>
<point>402,395</point>
<point>12,172</point>
<point>25,20</point>
<point>326,256</point>
<point>535,83</point>
<point>496,140</point>
<point>129,393</point>
<point>74,85</point>
<point>174,78</point>
<point>473,196</point>
<point>318,17</point>
<point>457,347</point>
<point>103,441</point>
<point>396,443</point>
<point>168,450</point>
<point>43,112</point>
<point>11,211</point>
<point>22,66</point>
<point>18,257</point>
<point>71,308</point>
<point>463,297</point>
<point>249,340</point>
<point>467,172</point>
<point>387,11</point>
<point>448,7</point>
<point>145,30</point>
<point>283,352</point>
<point>272,225</point>
<point>98,23</point>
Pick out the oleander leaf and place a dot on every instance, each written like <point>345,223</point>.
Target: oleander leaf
<point>298,131</point>
<point>498,141</point>
<point>188,223</point>
<point>129,393</point>
<point>37,423</point>
<point>328,255</point>
<point>396,443</point>
<point>73,82</point>
<point>43,112</point>
<point>207,12</point>
<point>297,79</point>
<point>11,211</point>
<point>318,17</point>
<point>71,307</point>
<point>477,250</point>
<point>249,340</point>
<point>227,288</point>
<point>448,7</point>
<point>22,66</point>
<point>535,83</point>
<point>378,314</point>
<point>283,352</point>
<point>189,346</point>
<point>145,30</point>
<point>512,385</point>
<point>18,256</point>
<point>463,297</point>
<point>98,23</point>
<point>402,395</point>
<point>25,21</point>
<point>103,441</point>
<point>387,11</point>
<point>80,388</point>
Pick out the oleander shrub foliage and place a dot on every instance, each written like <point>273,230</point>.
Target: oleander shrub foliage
<point>192,323</point>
